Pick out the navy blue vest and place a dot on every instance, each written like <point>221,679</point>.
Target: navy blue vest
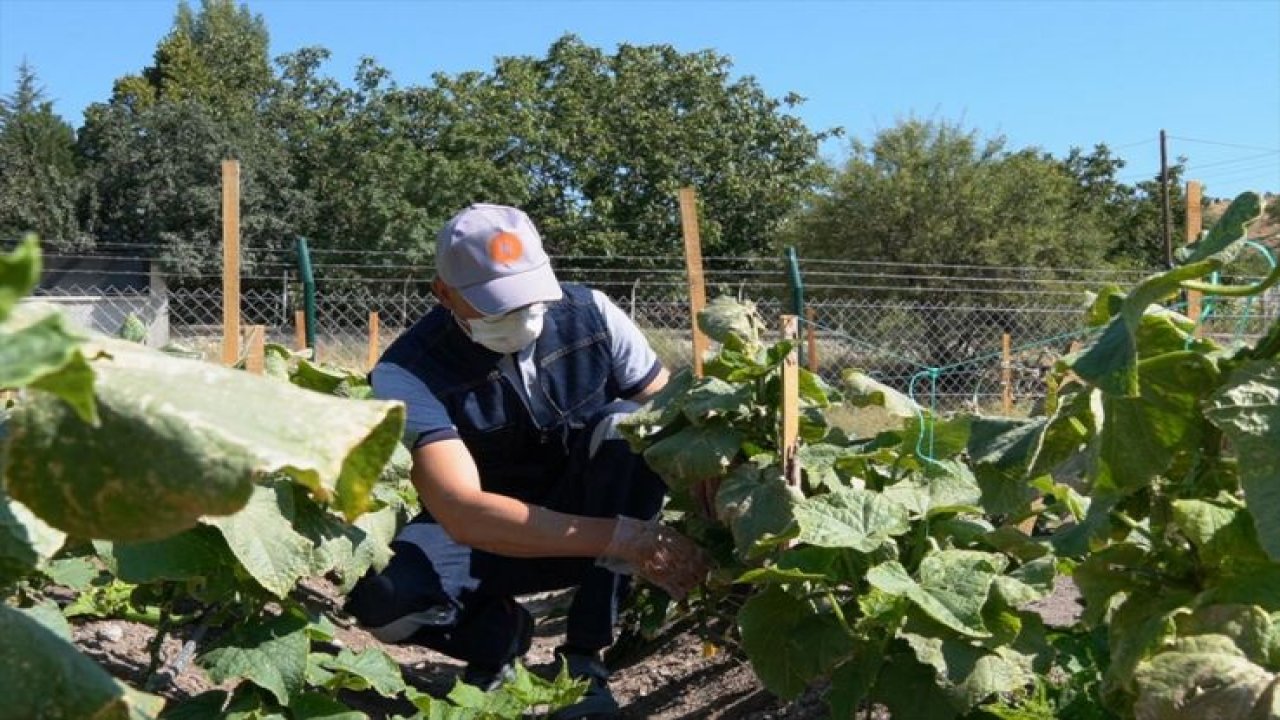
<point>517,454</point>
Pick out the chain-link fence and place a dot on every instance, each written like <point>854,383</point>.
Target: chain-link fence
<point>936,332</point>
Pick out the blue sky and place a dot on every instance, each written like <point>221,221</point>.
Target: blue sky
<point>1048,74</point>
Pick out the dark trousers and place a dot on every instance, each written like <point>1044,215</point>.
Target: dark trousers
<point>465,596</point>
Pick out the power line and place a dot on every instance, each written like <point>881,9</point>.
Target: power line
<point>1224,144</point>
<point>1148,141</point>
<point>1247,158</point>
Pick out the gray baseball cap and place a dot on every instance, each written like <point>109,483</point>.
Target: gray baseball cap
<point>493,255</point>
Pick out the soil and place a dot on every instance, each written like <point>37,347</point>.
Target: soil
<point>667,678</point>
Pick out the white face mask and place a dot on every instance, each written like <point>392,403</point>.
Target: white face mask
<point>509,333</point>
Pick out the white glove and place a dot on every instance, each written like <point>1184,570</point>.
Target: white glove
<point>656,553</point>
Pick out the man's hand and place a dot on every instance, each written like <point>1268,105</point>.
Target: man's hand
<point>656,553</point>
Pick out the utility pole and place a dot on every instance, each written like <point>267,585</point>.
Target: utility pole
<point>1166,214</point>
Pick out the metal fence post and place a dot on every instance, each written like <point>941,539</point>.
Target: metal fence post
<point>308,293</point>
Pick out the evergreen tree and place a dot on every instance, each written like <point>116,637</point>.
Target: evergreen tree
<point>39,180</point>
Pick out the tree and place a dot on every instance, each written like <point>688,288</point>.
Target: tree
<point>929,193</point>
<point>39,178</point>
<point>603,142</point>
<point>155,148</point>
<point>593,146</point>
<point>933,192</point>
<point>217,57</point>
<point>378,162</point>
<point>1131,215</point>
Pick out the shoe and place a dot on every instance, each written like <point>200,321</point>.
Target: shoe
<point>598,702</point>
<point>409,624</point>
<point>490,677</point>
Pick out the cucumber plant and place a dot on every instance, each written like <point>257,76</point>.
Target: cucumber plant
<point>896,573</point>
<point>882,572</point>
<point>207,502</point>
<point>1178,438</point>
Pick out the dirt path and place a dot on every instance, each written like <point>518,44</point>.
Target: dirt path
<point>667,680</point>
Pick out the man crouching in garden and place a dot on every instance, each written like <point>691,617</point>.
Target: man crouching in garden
<point>514,385</point>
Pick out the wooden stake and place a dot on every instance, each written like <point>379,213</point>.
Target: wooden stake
<point>811,333</point>
<point>230,262</point>
<point>256,361</point>
<point>789,442</point>
<point>300,329</point>
<point>693,263</point>
<point>1006,373</point>
<point>1195,222</point>
<point>374,338</point>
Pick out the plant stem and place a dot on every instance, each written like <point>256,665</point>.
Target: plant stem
<point>839,612</point>
<point>156,646</point>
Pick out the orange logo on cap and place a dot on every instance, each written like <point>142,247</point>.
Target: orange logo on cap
<point>505,248</point>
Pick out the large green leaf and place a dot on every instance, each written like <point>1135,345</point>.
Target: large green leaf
<point>658,416</point>
<point>347,550</point>
<point>712,398</point>
<point>373,549</point>
<point>49,614</point>
<point>1000,451</point>
<point>44,676</point>
<point>944,486</point>
<point>324,380</point>
<point>909,689</point>
<point>1202,677</point>
<point>1031,582</point>
<point>26,542</point>
<point>952,588</point>
<point>790,641</point>
<point>1070,428</point>
<point>19,273</point>
<point>1221,533</point>
<point>195,553</point>
<point>1142,435</point>
<point>318,706</point>
<point>693,454</point>
<point>937,438</point>
<point>1004,442</point>
<point>333,541</point>
<point>38,350</point>
<point>970,673</point>
<point>1249,627</point>
<point>851,681</point>
<point>271,654</point>
<point>1247,410</point>
<point>1113,570</point>
<point>1138,628</point>
<point>370,668</point>
<point>1246,583</point>
<point>1243,211</point>
<point>757,506</point>
<point>731,322</point>
<point>859,519</point>
<point>819,461</point>
<point>1110,362</point>
<point>263,539</point>
<point>209,434</point>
